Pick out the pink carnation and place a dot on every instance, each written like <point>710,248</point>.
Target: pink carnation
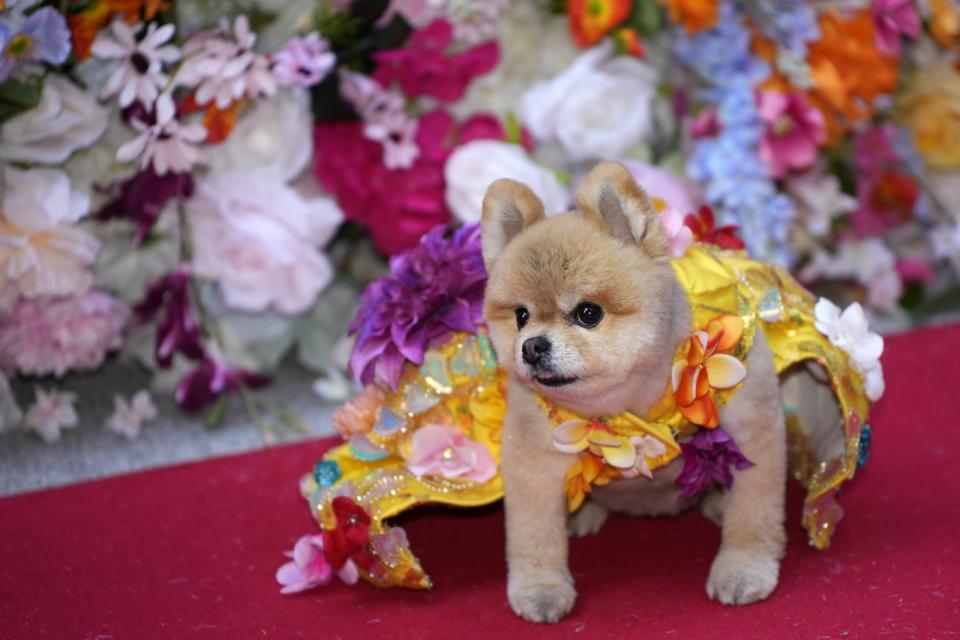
<point>44,336</point>
<point>397,206</point>
<point>794,131</point>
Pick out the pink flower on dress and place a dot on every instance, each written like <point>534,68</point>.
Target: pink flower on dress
<point>44,336</point>
<point>423,68</point>
<point>129,415</point>
<point>891,19</point>
<point>303,62</point>
<point>51,412</point>
<point>308,567</point>
<point>442,450</point>
<point>679,234</point>
<point>794,131</point>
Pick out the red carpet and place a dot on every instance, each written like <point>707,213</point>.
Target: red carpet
<point>190,551</point>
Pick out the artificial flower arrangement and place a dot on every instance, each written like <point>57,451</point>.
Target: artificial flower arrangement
<point>162,197</point>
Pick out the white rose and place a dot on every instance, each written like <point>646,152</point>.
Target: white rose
<point>269,136</point>
<point>259,240</point>
<point>66,119</point>
<point>472,167</point>
<point>598,108</point>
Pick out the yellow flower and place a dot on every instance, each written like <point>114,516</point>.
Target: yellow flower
<point>929,106</point>
<point>945,23</point>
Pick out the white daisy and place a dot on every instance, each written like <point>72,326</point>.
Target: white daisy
<point>168,145</point>
<point>224,70</point>
<point>139,76</point>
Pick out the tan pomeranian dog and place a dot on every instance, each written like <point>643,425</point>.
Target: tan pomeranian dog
<point>584,308</point>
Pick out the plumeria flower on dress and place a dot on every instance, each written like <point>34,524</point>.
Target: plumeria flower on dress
<point>223,70</point>
<point>707,366</point>
<point>129,415</point>
<point>574,436</point>
<point>646,447</point>
<point>443,450</point>
<point>51,412</point>
<point>139,75</point>
<point>850,331</point>
<point>303,62</point>
<point>41,37</point>
<point>167,144</point>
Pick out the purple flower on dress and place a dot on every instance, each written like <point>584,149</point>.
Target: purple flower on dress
<point>202,386</point>
<point>432,290</point>
<point>143,197</point>
<point>707,458</point>
<point>177,330</point>
<point>303,62</point>
<point>42,37</point>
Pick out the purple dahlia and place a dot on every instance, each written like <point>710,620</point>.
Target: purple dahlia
<point>432,290</point>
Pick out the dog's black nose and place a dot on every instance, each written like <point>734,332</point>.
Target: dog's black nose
<point>534,349</point>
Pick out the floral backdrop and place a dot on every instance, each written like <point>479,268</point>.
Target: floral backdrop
<point>208,187</point>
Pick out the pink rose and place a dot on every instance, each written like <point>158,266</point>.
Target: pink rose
<point>442,450</point>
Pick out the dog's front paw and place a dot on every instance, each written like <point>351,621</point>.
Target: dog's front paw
<point>741,576</point>
<point>544,598</point>
<point>587,520</point>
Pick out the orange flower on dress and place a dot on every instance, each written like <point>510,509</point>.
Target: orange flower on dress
<point>587,471</point>
<point>590,20</point>
<point>694,15</point>
<point>848,71</point>
<point>707,366</point>
<point>360,414</point>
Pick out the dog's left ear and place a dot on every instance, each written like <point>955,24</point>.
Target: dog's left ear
<point>509,207</point>
<point>612,197</point>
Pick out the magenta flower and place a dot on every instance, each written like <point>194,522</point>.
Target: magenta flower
<point>432,290</point>
<point>443,450</point>
<point>308,567</point>
<point>423,68</point>
<point>202,386</point>
<point>303,62</point>
<point>143,197</point>
<point>177,330</point>
<point>707,458</point>
<point>887,195</point>
<point>893,18</point>
<point>44,336</point>
<point>794,130</point>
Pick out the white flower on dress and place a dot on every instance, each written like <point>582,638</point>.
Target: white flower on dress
<point>129,415</point>
<point>597,108</point>
<point>66,119</point>
<point>224,70</point>
<point>51,412</point>
<point>850,331</point>
<point>42,250</point>
<point>474,166</point>
<point>140,75</point>
<point>167,144</point>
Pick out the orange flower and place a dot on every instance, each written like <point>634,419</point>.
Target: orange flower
<point>944,23</point>
<point>360,414</point>
<point>694,15</point>
<point>707,366</point>
<point>590,20</point>
<point>96,14</point>
<point>220,122</point>
<point>628,42</point>
<point>848,71</point>
<point>587,471</point>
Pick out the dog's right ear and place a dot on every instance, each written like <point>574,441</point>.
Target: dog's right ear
<point>508,208</point>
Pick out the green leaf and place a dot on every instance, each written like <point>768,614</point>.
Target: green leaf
<point>512,129</point>
<point>18,96</point>
<point>292,421</point>
<point>216,413</point>
<point>648,17</point>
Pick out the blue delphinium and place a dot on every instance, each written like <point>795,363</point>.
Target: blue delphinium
<point>737,182</point>
<point>791,24</point>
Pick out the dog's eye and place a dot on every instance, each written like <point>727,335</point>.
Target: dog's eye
<point>587,314</point>
<point>522,316</point>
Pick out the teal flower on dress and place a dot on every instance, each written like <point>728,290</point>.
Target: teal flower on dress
<point>326,473</point>
<point>863,447</point>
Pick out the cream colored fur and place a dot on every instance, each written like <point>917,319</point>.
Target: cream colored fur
<point>613,252</point>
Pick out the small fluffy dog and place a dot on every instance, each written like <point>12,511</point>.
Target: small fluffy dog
<point>584,308</point>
